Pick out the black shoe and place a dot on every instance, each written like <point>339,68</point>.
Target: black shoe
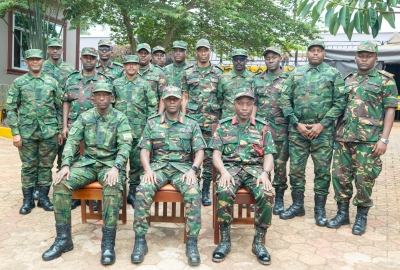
<point>297,208</point>
<point>36,192</point>
<point>139,250</point>
<point>278,206</point>
<point>44,200</point>
<point>28,203</point>
<point>252,208</point>
<point>361,220</point>
<point>108,244</point>
<point>259,249</point>
<point>62,243</point>
<point>244,205</point>
<point>94,205</point>
<point>341,218</point>
<point>224,246</point>
<point>75,204</point>
<point>319,210</point>
<point>192,252</point>
<point>130,199</point>
<point>205,197</point>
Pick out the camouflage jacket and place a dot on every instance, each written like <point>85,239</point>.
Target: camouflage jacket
<point>59,72</point>
<point>203,103</point>
<point>79,92</point>
<point>243,147</point>
<point>107,139</point>
<point>173,74</point>
<point>113,70</point>
<point>172,142</point>
<point>136,100</point>
<point>227,85</point>
<point>268,93</point>
<point>368,98</point>
<point>313,95</point>
<point>34,103</point>
<point>155,76</point>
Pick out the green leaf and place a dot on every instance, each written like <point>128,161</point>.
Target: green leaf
<point>333,22</point>
<point>317,10</point>
<point>330,5</point>
<point>375,29</point>
<point>328,17</point>
<point>393,2</point>
<point>380,17</point>
<point>372,16</point>
<point>301,7</point>
<point>361,3</point>
<point>306,10</point>
<point>358,20</point>
<point>344,16</point>
<point>320,6</point>
<point>336,28</point>
<point>389,17</point>
<point>349,30</point>
<point>365,25</point>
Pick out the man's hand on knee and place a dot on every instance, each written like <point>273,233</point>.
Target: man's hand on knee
<point>190,177</point>
<point>225,178</point>
<point>149,177</point>
<point>64,172</point>
<point>112,176</point>
<point>266,182</point>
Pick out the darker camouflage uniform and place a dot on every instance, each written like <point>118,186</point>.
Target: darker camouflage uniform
<point>243,148</point>
<point>173,73</point>
<point>113,70</point>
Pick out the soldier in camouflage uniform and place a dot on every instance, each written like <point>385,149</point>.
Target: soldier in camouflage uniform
<point>173,72</point>
<point>362,136</point>
<point>159,57</point>
<point>267,89</point>
<point>171,137</point>
<point>34,114</point>
<point>133,97</point>
<point>238,77</point>
<point>107,138</point>
<point>243,149</point>
<point>113,70</point>
<point>313,100</point>
<point>200,101</point>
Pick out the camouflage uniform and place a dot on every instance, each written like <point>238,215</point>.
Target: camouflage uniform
<point>113,70</point>
<point>136,100</point>
<point>160,49</point>
<point>107,142</point>
<point>172,72</point>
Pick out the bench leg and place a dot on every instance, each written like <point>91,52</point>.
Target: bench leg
<point>83,211</point>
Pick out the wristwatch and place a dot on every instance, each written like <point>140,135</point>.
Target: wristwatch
<point>385,141</point>
<point>194,168</point>
<point>117,165</point>
<point>268,173</point>
<point>296,124</point>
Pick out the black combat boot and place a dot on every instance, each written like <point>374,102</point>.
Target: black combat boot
<point>44,201</point>
<point>62,243</point>
<point>259,249</point>
<point>28,203</point>
<point>131,195</point>
<point>341,218</point>
<point>205,199</point>
<point>108,244</point>
<point>75,204</point>
<point>139,250</point>
<point>319,210</point>
<point>297,208</point>
<point>192,252</point>
<point>361,220</point>
<point>36,191</point>
<point>278,206</point>
<point>224,246</point>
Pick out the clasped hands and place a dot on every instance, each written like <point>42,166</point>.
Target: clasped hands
<point>310,131</point>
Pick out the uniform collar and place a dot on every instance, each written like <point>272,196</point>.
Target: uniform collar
<point>372,73</point>
<point>318,68</point>
<point>41,77</point>
<point>106,116</point>
<point>235,121</point>
<point>96,74</point>
<point>150,68</point>
<point>184,64</point>
<point>180,118</point>
<point>109,64</point>
<point>211,67</point>
<point>126,79</point>
<point>264,74</point>
<point>55,65</point>
<point>244,74</point>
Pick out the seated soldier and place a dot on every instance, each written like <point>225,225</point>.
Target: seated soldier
<point>107,137</point>
<point>171,137</point>
<point>243,149</point>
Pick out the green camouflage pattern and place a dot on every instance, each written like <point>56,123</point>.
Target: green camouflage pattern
<point>54,42</point>
<point>103,87</point>
<point>112,70</point>
<point>228,85</point>
<point>143,46</point>
<point>89,51</point>
<point>173,74</point>
<point>367,46</point>
<point>273,49</point>
<point>33,53</point>
<point>158,48</point>
<point>172,91</point>
<point>244,92</point>
<point>316,43</point>
<point>368,98</point>
<point>180,44</point>
<point>155,76</point>
<point>131,59</point>
<point>203,43</point>
<point>242,52</point>
<point>59,71</point>
<point>104,42</point>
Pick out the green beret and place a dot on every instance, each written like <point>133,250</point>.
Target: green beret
<point>89,51</point>
<point>33,53</point>
<point>367,46</point>
<point>102,87</point>
<point>54,42</point>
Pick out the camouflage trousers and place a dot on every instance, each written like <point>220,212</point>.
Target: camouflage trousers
<point>206,174</point>
<point>280,160</point>
<point>321,150</point>
<point>37,157</point>
<point>59,155</point>
<point>227,195</point>
<point>82,176</point>
<point>191,198</point>
<point>135,166</point>
<point>354,161</point>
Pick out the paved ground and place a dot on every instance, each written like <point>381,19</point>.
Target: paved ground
<point>293,244</point>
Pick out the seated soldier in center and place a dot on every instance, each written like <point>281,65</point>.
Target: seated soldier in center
<point>243,149</point>
<point>171,138</point>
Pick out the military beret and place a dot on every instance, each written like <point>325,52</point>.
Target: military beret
<point>180,44</point>
<point>89,51</point>
<point>316,43</point>
<point>102,87</point>
<point>236,52</point>
<point>172,91</point>
<point>367,46</point>
<point>54,42</point>
<point>272,49</point>
<point>104,42</point>
<point>33,53</point>
<point>158,48</point>
<point>143,46</point>
<point>203,43</point>
<point>244,92</point>
<point>131,59</point>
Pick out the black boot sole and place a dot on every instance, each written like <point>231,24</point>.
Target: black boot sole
<point>276,213</point>
<point>67,249</point>
<point>30,210</point>
<point>296,215</point>
<point>220,260</point>
<point>194,264</point>
<point>107,263</point>
<point>45,208</point>
<point>262,262</point>
<point>337,226</point>
<point>140,261</point>
<point>206,204</point>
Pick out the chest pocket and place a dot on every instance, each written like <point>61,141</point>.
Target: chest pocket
<point>89,131</point>
<point>158,139</point>
<point>230,145</point>
<point>323,87</point>
<point>180,142</point>
<point>300,85</point>
<point>255,145</point>
<point>372,92</point>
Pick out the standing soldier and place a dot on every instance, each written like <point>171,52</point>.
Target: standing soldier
<point>34,113</point>
<point>158,57</point>
<point>230,82</point>
<point>200,101</point>
<point>267,89</point>
<point>171,138</point>
<point>112,70</point>
<point>133,97</point>
<point>312,100</point>
<point>107,137</point>
<point>173,72</point>
<point>362,136</point>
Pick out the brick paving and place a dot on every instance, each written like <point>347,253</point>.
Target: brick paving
<point>293,244</point>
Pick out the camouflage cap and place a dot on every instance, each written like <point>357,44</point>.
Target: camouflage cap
<point>102,87</point>
<point>180,44</point>
<point>272,49</point>
<point>143,46</point>
<point>244,92</point>
<point>54,42</point>
<point>236,52</point>
<point>33,53</point>
<point>316,43</point>
<point>367,46</point>
<point>158,48</point>
<point>172,91</point>
<point>89,51</point>
<point>203,43</point>
<point>131,59</point>
<point>104,42</point>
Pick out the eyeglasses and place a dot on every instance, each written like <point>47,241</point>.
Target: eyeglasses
<point>239,58</point>
<point>105,48</point>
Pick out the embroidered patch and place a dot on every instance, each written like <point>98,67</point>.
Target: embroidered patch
<point>127,136</point>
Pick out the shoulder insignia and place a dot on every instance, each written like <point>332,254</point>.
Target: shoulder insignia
<point>118,64</point>
<point>386,74</point>
<point>349,75</point>
<point>153,116</point>
<point>189,66</point>
<point>219,68</point>
<point>190,117</point>
<point>225,120</point>
<point>284,74</point>
<point>261,121</point>
<point>73,72</point>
